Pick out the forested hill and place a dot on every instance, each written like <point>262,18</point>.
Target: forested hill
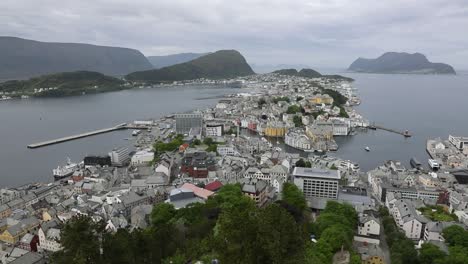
<point>309,73</point>
<point>400,62</point>
<point>22,58</point>
<point>218,65</point>
<point>63,84</point>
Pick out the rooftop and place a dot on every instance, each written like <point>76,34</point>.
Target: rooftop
<point>316,173</point>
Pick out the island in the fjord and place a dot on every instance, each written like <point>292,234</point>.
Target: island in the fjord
<point>221,64</point>
<point>63,84</point>
<point>172,59</point>
<point>23,58</point>
<point>309,73</point>
<point>400,62</point>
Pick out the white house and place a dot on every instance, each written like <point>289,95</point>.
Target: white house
<point>368,225</point>
<point>408,220</point>
<point>142,157</point>
<point>49,235</point>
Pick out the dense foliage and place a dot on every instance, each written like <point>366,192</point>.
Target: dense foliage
<point>281,98</point>
<point>309,73</point>
<point>160,147</point>
<point>292,109</point>
<point>218,65</point>
<point>228,227</point>
<point>65,84</point>
<point>439,214</point>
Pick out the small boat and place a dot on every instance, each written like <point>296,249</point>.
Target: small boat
<point>367,148</point>
<point>136,132</point>
<point>406,133</point>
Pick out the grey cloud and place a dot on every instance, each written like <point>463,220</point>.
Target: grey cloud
<point>318,33</point>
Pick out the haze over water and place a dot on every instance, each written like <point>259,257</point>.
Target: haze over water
<point>427,105</point>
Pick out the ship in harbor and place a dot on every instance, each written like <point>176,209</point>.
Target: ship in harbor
<point>415,163</point>
<point>64,171</point>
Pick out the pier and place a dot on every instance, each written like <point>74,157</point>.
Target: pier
<point>82,135</point>
<point>405,133</point>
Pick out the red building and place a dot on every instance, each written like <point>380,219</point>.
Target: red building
<point>197,164</point>
<point>29,242</point>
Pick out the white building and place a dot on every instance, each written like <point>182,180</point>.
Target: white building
<point>296,138</point>
<point>48,237</point>
<point>408,220</point>
<point>142,157</point>
<point>368,225</point>
<point>224,150</point>
<point>213,130</point>
<point>317,183</point>
<point>120,156</point>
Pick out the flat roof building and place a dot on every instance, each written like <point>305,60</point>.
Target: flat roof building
<point>318,183</point>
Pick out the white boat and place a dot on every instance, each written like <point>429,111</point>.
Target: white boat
<point>433,164</point>
<point>367,148</point>
<point>65,171</point>
<point>136,132</point>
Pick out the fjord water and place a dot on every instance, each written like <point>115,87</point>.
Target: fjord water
<point>429,106</point>
<point>23,122</point>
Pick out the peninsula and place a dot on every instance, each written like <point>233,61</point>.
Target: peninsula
<point>400,62</point>
<point>218,65</point>
<point>62,84</point>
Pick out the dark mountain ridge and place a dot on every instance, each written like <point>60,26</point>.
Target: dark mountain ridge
<point>309,73</point>
<point>169,60</point>
<point>22,58</point>
<point>218,65</point>
<point>400,62</point>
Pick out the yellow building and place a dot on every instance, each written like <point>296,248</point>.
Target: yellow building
<point>275,129</point>
<point>14,233</point>
<point>319,133</point>
<point>5,211</point>
<point>321,99</point>
<point>374,260</point>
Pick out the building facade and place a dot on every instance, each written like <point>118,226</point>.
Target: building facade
<point>317,183</point>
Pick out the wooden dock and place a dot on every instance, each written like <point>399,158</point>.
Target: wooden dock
<point>405,133</point>
<point>82,135</point>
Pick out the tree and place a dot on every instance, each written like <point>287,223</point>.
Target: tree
<point>162,214</point>
<point>456,236</point>
<point>300,163</point>
<point>430,254</point>
<point>81,240</point>
<point>279,237</point>
<point>293,196</point>
<point>297,121</point>
<point>292,109</point>
<point>236,235</point>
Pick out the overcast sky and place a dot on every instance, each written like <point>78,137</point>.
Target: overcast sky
<point>320,33</point>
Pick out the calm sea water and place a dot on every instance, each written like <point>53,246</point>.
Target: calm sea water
<point>429,106</point>
<point>23,122</point>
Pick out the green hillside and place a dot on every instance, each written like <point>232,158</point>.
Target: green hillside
<point>218,65</point>
<point>63,84</point>
<point>309,73</point>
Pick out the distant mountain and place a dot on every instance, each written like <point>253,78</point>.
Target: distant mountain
<point>63,84</point>
<point>395,62</point>
<point>22,58</point>
<point>218,65</point>
<point>265,68</point>
<point>309,73</point>
<point>169,60</point>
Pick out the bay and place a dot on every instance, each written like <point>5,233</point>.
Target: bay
<point>28,121</point>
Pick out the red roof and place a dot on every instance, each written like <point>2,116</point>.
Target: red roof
<point>214,186</point>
